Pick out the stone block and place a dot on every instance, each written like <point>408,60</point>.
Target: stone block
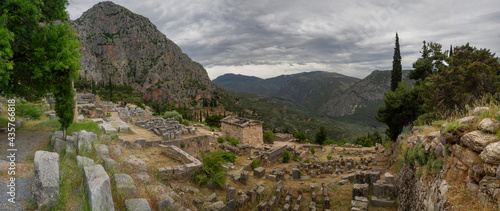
<point>84,161</point>
<point>382,202</point>
<point>137,205</point>
<point>140,141</point>
<point>142,177</point>
<point>101,150</point>
<point>125,185</point>
<point>244,177</point>
<point>98,188</point>
<point>46,180</point>
<point>231,194</point>
<point>59,146</point>
<point>259,172</point>
<point>111,165</point>
<point>389,178</point>
<point>360,190</point>
<point>217,206</point>
<point>212,198</point>
<point>166,203</point>
<point>295,174</point>
<point>135,164</point>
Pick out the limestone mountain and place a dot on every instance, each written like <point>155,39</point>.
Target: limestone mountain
<point>126,48</point>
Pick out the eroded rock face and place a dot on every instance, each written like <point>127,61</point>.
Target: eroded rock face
<point>46,180</point>
<point>98,188</point>
<point>128,48</point>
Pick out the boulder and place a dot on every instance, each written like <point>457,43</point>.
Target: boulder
<point>142,177</point>
<point>135,164</point>
<point>433,135</point>
<point>101,150</point>
<point>137,205</point>
<point>466,120</point>
<point>84,141</point>
<point>98,188</point>
<point>125,185</point>
<point>489,125</point>
<point>46,180</point>
<point>479,110</point>
<point>105,138</point>
<point>80,118</point>
<point>491,153</point>
<point>212,197</point>
<point>165,203</point>
<point>111,165</point>
<point>59,146</point>
<point>466,156</point>
<point>116,150</point>
<point>478,140</point>
<point>217,206</point>
<point>84,161</point>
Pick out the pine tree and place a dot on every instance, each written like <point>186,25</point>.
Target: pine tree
<point>396,74</point>
<point>110,85</point>
<point>321,136</point>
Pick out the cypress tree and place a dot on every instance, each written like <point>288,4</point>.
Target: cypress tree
<point>451,51</point>
<point>396,74</point>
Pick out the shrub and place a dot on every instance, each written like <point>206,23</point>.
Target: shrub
<point>183,145</point>
<point>328,157</point>
<point>232,141</point>
<point>220,140</point>
<point>185,122</point>
<point>312,150</point>
<point>454,127</point>
<point>286,157</point>
<point>327,142</point>
<point>256,163</point>
<point>172,114</point>
<point>300,136</point>
<point>27,109</point>
<point>436,165</point>
<point>307,160</point>
<point>108,114</point>
<point>269,136</point>
<point>229,157</point>
<point>212,174</point>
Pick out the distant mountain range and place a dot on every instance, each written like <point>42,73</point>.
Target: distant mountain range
<point>324,93</point>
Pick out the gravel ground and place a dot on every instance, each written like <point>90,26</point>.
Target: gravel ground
<point>26,143</point>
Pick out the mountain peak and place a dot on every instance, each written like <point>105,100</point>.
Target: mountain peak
<point>127,48</point>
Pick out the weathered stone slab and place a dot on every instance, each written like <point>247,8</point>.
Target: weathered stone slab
<point>98,188</point>
<point>101,150</point>
<point>137,205</point>
<point>84,161</point>
<point>59,146</point>
<point>111,165</point>
<point>217,206</point>
<point>125,185</point>
<point>135,163</point>
<point>259,172</point>
<point>46,179</point>
<point>382,202</point>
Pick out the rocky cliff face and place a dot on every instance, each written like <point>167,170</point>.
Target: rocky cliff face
<point>129,49</point>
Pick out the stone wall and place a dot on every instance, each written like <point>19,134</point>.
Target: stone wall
<point>192,145</point>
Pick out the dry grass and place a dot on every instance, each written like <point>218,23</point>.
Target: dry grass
<point>459,198</point>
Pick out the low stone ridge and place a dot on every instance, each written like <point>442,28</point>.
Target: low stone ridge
<point>137,205</point>
<point>98,188</point>
<point>167,128</point>
<point>46,180</point>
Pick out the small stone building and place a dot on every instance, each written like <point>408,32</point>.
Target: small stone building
<point>246,130</point>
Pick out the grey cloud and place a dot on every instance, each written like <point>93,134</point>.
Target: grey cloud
<point>348,36</point>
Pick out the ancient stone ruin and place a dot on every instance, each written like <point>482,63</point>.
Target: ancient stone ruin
<point>246,130</point>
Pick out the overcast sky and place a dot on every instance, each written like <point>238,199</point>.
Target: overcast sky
<point>266,38</point>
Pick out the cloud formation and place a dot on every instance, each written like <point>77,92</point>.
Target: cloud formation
<point>269,38</point>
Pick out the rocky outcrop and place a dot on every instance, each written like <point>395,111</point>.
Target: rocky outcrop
<point>127,48</point>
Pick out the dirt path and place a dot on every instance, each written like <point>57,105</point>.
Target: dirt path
<point>27,143</point>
